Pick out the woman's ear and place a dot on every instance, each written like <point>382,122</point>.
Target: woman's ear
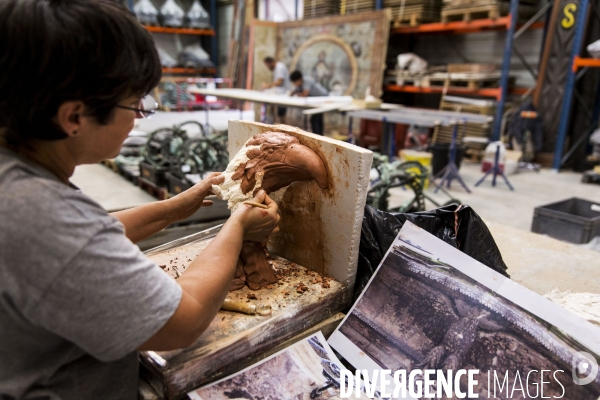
<point>68,117</point>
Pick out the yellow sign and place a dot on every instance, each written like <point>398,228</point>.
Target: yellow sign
<point>569,19</point>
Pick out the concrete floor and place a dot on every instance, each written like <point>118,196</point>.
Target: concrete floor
<point>500,204</point>
<point>497,204</point>
<point>109,189</point>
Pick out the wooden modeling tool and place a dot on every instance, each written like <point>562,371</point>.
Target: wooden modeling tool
<point>255,204</point>
<point>246,308</point>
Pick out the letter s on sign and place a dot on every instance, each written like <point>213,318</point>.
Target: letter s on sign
<point>569,19</point>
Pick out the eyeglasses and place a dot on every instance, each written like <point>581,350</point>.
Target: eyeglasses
<point>146,108</point>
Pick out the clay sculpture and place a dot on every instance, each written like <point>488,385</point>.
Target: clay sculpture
<point>270,161</point>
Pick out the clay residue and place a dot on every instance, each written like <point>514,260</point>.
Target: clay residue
<point>239,279</point>
<point>280,160</point>
<point>256,267</point>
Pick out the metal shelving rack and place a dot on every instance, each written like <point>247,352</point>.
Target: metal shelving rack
<point>570,90</point>
<point>508,23</point>
<point>191,31</point>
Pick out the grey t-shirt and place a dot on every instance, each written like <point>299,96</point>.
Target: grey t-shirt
<point>76,296</point>
<point>314,88</point>
<point>281,72</point>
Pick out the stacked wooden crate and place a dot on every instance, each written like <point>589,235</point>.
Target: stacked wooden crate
<point>320,8</point>
<point>467,10</point>
<point>356,6</point>
<point>474,136</point>
<point>413,12</point>
<point>468,76</point>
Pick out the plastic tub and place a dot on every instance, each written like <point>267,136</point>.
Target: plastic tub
<point>574,220</point>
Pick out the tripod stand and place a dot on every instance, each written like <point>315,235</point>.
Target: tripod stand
<point>496,170</point>
<point>450,171</point>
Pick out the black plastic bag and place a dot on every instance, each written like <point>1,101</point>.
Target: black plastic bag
<point>458,226</point>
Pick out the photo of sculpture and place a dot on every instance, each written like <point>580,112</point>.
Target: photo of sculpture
<point>305,370</point>
<point>421,314</point>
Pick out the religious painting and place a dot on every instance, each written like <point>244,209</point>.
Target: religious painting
<point>345,54</point>
<point>330,61</point>
<point>431,307</point>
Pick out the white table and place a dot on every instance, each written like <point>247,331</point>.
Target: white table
<point>413,116</point>
<point>320,104</point>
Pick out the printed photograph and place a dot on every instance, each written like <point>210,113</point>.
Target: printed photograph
<point>418,313</point>
<point>306,370</point>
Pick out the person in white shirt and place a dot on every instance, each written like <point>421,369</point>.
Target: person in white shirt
<point>281,81</point>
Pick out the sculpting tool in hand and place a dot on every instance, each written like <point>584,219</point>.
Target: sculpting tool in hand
<point>246,308</point>
<point>255,204</point>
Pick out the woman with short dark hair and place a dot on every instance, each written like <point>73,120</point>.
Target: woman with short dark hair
<point>77,297</point>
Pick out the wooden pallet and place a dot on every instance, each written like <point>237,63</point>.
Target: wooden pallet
<point>473,106</point>
<point>410,20</point>
<point>466,80</point>
<point>469,3</point>
<point>320,8</point>
<point>443,134</point>
<point>470,13</point>
<point>413,12</point>
<point>472,3</point>
<point>416,81</point>
<point>467,10</point>
<point>472,68</point>
<point>356,6</point>
<point>470,81</point>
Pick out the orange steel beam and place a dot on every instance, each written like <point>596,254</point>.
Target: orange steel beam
<point>188,70</point>
<point>476,25</point>
<point>183,31</point>
<point>484,92</point>
<point>580,62</point>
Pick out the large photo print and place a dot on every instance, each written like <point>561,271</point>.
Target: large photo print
<point>421,313</point>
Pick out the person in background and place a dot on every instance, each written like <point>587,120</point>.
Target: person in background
<point>306,86</point>
<point>281,80</point>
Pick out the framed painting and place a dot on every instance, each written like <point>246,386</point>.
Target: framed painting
<point>345,54</point>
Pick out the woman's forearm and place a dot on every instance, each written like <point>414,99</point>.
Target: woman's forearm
<point>209,276</point>
<point>146,220</point>
<point>206,281</point>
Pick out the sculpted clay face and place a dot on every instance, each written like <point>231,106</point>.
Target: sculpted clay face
<point>269,161</point>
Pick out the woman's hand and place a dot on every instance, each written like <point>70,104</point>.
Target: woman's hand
<point>185,204</point>
<point>258,223</point>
